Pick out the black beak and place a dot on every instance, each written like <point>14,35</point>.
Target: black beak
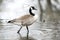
<point>35,9</point>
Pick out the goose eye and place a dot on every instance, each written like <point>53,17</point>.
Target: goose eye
<point>33,7</point>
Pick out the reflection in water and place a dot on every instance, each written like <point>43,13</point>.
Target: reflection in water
<point>26,37</point>
<point>9,32</point>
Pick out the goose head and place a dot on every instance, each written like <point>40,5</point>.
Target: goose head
<point>31,9</point>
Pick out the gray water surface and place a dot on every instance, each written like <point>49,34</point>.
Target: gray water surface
<point>9,32</point>
<point>45,31</point>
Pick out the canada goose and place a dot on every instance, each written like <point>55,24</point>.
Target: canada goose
<point>25,20</point>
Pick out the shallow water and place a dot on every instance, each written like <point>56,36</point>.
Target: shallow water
<point>36,32</point>
<point>9,32</point>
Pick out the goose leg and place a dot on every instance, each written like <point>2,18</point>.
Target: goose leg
<point>19,29</point>
<point>27,30</point>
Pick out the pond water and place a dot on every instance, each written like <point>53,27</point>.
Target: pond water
<point>36,32</point>
<point>9,32</point>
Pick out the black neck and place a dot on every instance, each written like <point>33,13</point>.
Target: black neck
<point>30,11</point>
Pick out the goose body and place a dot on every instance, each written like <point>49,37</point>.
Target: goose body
<point>25,20</point>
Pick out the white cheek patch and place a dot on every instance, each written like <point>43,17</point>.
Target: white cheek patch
<point>33,11</point>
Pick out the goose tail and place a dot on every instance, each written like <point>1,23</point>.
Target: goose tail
<point>11,21</point>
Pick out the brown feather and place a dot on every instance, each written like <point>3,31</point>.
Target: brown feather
<point>24,20</point>
<point>25,17</point>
